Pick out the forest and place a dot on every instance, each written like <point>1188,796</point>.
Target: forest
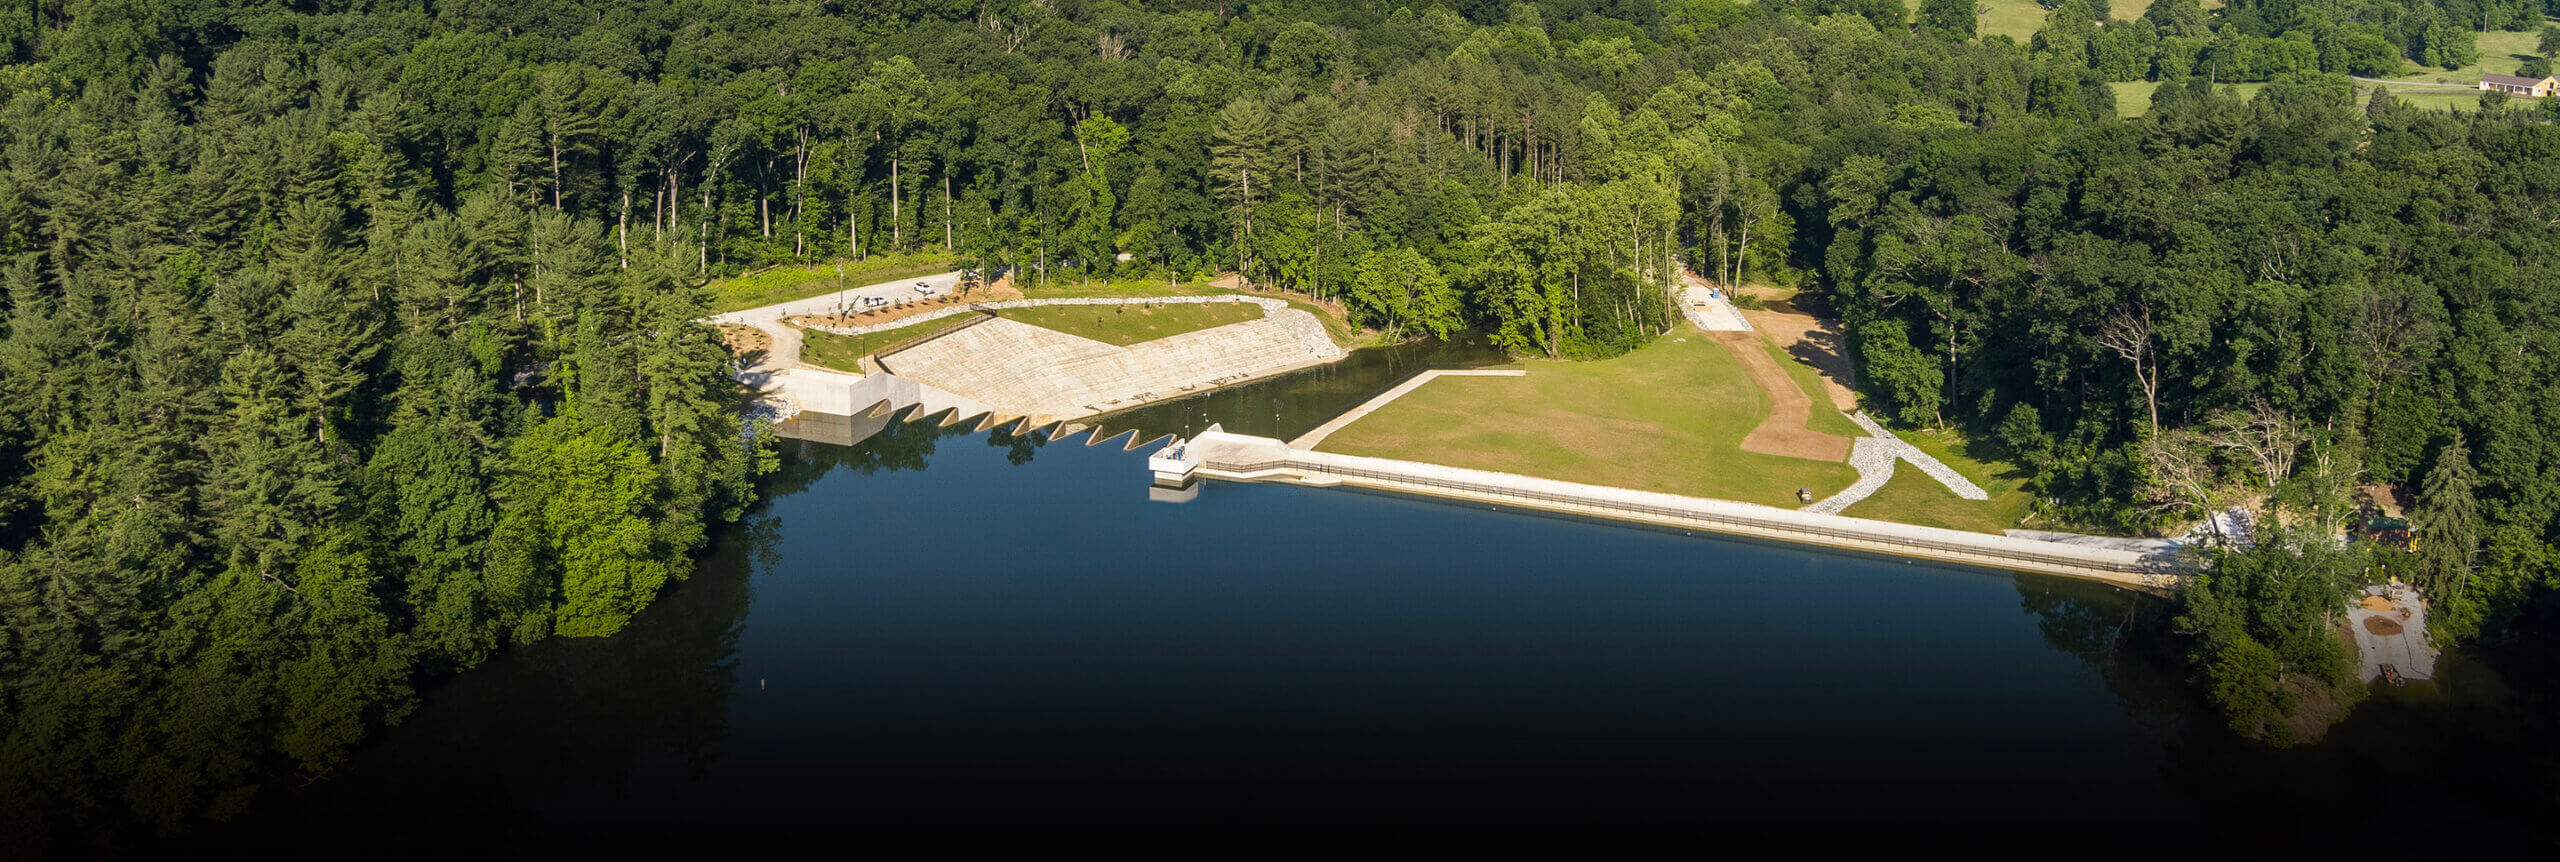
<point>345,344</point>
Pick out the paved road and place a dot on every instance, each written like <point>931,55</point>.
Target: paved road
<point>785,352</point>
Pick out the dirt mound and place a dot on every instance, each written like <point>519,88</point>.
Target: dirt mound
<point>2381,626</point>
<point>1783,433</point>
<point>2375,603</point>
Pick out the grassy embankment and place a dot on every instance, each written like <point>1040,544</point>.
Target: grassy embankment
<point>1131,324</point>
<point>787,283</point>
<point>1667,417</point>
<point>845,352</point>
<point>1334,325</point>
<point>1114,324</point>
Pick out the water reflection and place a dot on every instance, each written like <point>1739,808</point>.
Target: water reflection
<point>1292,404</point>
<point>493,747</point>
<point>1016,642</point>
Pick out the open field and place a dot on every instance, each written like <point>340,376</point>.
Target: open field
<point>845,352</point>
<point>2133,98</point>
<point>2439,100</point>
<point>1667,417</point>
<point>1125,325</point>
<point>787,283</point>
<point>2500,52</point>
<point>1914,498</point>
<point>2016,19</point>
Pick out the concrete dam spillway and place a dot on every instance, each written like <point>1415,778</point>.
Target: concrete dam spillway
<point>1012,370</point>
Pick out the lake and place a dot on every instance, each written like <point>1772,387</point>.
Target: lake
<point>942,634</point>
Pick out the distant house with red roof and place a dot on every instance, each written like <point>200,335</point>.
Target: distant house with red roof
<point>2532,88</point>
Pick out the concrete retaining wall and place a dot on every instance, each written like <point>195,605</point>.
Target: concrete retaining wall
<point>1245,458</point>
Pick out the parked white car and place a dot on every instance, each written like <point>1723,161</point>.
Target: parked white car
<point>926,289</point>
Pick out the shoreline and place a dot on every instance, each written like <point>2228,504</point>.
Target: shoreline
<point>1216,454</point>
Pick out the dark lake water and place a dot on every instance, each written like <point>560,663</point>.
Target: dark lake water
<point>940,634</point>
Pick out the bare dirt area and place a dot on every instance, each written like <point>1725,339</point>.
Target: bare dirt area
<point>742,339</point>
<point>1783,433</point>
<point>1812,339</point>
<point>2381,626</point>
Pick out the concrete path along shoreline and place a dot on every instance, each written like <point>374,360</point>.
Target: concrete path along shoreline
<point>1235,457</point>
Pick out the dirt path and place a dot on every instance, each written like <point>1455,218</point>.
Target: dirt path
<point>1784,432</point>
<point>1814,341</point>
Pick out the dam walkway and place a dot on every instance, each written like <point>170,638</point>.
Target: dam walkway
<point>1217,454</point>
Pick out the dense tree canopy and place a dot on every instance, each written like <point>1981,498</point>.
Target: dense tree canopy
<point>348,342</point>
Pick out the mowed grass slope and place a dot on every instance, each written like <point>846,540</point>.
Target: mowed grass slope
<point>1125,325</point>
<point>1669,417</point>
<point>1342,331</point>
<point>845,352</point>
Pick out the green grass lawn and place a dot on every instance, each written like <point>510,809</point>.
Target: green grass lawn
<point>1668,417</point>
<point>787,283</point>
<point>1130,324</point>
<point>1342,331</point>
<point>845,352</point>
<point>2133,98</point>
<point>1914,498</point>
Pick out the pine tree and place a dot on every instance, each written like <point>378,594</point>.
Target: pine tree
<point>1240,162</point>
<point>2448,522</point>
